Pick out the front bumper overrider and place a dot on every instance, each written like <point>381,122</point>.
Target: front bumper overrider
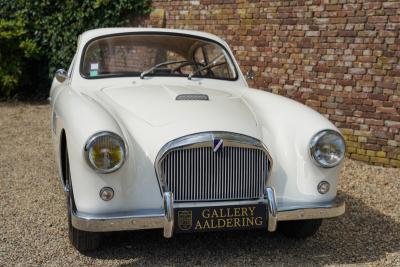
<point>164,219</point>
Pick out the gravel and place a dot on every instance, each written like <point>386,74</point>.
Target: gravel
<point>33,223</point>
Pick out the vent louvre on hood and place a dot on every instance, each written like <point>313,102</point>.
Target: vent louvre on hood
<point>192,97</point>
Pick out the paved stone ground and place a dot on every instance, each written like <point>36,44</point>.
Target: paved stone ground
<point>33,226</point>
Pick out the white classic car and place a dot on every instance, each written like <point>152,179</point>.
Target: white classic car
<point>157,128</point>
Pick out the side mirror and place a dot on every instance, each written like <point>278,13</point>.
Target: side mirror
<point>61,75</point>
<point>250,74</point>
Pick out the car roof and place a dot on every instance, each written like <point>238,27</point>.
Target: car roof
<point>91,34</point>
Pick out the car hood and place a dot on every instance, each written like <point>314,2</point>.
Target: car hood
<point>152,113</point>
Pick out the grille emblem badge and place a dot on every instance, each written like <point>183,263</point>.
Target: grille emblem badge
<point>218,144</point>
<point>185,219</point>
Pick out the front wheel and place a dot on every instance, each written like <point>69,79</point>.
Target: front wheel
<point>81,240</point>
<point>299,229</point>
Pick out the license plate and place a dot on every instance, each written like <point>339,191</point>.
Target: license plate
<point>220,218</point>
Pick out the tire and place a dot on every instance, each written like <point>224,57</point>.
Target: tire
<point>299,229</point>
<point>81,240</point>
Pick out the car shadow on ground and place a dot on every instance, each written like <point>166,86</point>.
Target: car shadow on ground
<point>362,235</point>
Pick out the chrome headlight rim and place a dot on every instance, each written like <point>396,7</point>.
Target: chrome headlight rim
<point>314,141</point>
<point>90,141</point>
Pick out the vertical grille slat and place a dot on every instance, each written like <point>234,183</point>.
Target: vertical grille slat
<point>200,174</point>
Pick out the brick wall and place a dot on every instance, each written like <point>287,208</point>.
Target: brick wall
<point>340,57</point>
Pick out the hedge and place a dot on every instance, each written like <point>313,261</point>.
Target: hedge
<point>39,36</point>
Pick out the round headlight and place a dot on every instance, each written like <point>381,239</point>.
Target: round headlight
<point>105,152</point>
<point>327,148</point>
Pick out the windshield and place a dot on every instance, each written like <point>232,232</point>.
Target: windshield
<point>156,55</point>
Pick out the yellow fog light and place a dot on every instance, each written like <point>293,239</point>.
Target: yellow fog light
<point>105,152</point>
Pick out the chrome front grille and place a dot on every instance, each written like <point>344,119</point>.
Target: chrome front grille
<point>196,173</point>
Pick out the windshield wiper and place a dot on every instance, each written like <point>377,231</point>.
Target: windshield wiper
<point>165,63</point>
<point>210,65</point>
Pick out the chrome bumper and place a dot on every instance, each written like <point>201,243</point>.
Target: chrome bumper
<point>165,219</point>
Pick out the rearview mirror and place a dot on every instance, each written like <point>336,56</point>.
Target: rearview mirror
<point>250,74</point>
<point>61,75</point>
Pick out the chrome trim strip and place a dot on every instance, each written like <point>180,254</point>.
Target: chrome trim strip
<point>217,203</point>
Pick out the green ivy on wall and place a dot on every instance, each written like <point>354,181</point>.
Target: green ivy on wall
<point>44,35</point>
<point>15,50</point>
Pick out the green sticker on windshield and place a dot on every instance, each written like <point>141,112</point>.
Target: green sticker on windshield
<point>93,73</point>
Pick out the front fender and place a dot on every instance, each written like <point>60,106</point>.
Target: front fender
<point>80,117</point>
<point>287,128</point>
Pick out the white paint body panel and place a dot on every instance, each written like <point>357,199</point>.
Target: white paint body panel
<point>147,116</point>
